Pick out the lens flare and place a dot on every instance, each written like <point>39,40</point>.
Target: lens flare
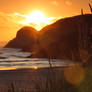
<point>74,74</point>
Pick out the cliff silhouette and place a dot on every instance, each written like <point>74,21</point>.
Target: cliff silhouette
<point>68,38</point>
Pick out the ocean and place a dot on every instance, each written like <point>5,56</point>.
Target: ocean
<point>14,59</point>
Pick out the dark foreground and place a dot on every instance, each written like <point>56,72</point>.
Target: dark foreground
<point>67,79</point>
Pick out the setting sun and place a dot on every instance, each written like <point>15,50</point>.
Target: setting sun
<point>37,19</point>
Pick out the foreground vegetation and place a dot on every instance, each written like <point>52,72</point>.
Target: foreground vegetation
<point>75,78</point>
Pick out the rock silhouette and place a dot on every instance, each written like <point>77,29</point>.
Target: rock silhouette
<point>26,39</point>
<point>62,39</point>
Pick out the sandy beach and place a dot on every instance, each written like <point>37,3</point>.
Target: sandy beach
<point>23,79</point>
<point>41,80</point>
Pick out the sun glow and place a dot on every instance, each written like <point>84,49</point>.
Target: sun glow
<point>37,19</point>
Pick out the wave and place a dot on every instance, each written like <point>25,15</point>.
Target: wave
<point>15,58</point>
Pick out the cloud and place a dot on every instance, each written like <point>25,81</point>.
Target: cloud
<point>54,3</point>
<point>13,20</point>
<point>68,3</point>
<point>10,23</point>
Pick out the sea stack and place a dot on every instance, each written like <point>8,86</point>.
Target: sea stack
<point>26,39</point>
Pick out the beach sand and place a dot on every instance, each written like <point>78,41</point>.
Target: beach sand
<point>60,79</point>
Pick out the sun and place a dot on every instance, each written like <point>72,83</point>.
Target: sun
<point>37,19</point>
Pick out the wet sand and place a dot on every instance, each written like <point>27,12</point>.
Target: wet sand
<point>23,79</point>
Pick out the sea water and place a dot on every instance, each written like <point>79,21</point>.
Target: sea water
<point>15,58</point>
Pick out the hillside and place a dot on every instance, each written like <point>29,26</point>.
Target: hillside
<point>68,38</point>
<point>64,38</point>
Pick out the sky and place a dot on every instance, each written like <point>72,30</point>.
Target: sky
<point>14,12</point>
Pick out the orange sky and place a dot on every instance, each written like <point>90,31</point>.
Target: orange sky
<point>12,12</point>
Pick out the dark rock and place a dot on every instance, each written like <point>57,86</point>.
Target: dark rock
<point>61,39</point>
<point>26,39</point>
